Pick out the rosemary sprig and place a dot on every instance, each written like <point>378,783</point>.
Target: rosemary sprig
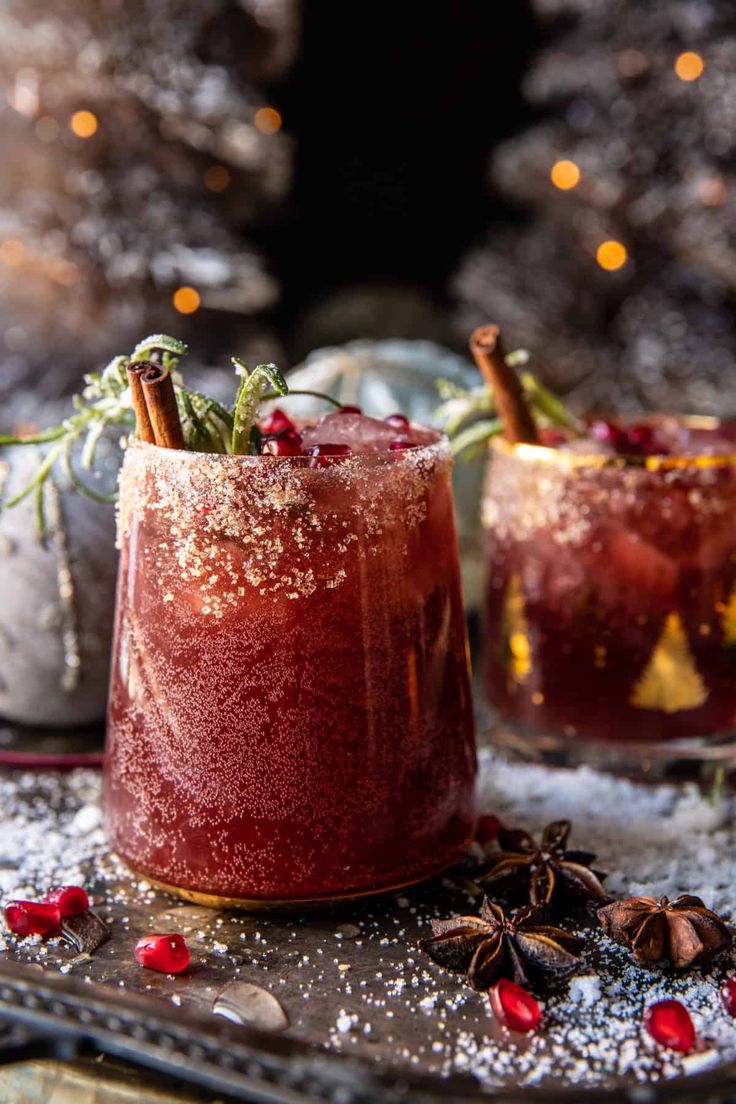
<point>467,415</point>
<point>105,401</point>
<point>250,395</point>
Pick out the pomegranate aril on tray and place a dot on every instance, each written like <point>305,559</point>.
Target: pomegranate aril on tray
<point>70,900</point>
<point>32,917</point>
<point>669,1024</point>
<point>276,422</point>
<point>400,446</point>
<point>728,995</point>
<point>514,1007</point>
<point>166,952</point>
<point>350,410</point>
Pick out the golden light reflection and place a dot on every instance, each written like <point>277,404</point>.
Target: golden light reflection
<point>84,124</point>
<point>13,252</point>
<point>186,300</point>
<point>217,178</point>
<point>268,120</point>
<point>565,175</point>
<point>611,255</point>
<point>689,66</point>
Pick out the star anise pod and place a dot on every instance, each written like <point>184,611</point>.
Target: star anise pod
<point>494,945</point>
<point>544,873</point>
<point>684,930</point>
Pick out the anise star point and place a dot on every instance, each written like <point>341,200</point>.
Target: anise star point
<point>544,872</point>
<point>683,931</point>
<point>494,945</point>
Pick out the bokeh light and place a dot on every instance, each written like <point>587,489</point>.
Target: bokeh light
<point>186,300</point>
<point>267,120</point>
<point>611,255</point>
<point>84,123</point>
<point>565,175</point>
<point>13,252</point>
<point>217,178</point>
<point>689,66</point>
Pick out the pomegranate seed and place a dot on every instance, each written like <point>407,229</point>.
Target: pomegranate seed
<point>400,446</point>
<point>609,433</point>
<point>275,422</point>
<point>32,917</point>
<point>167,953</point>
<point>398,421</point>
<point>287,443</point>
<point>728,995</point>
<point>514,1007</point>
<point>323,454</point>
<point>640,439</point>
<point>349,410</point>
<point>70,900</point>
<point>487,830</point>
<point>669,1024</point>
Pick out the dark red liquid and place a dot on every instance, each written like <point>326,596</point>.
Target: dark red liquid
<point>290,714</point>
<point>611,603</point>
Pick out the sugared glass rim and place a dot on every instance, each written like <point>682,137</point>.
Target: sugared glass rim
<point>548,454</point>
<point>436,449</point>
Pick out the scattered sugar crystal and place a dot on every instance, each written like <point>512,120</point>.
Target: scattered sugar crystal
<point>585,989</point>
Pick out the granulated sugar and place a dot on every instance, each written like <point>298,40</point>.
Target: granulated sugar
<point>356,982</point>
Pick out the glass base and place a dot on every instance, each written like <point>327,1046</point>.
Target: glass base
<point>33,748</point>
<point>707,760</point>
<point>246,904</point>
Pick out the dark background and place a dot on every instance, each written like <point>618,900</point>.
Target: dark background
<point>394,108</point>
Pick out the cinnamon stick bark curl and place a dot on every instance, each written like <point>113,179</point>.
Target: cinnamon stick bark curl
<point>518,424</point>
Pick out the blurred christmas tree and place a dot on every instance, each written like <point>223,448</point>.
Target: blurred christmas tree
<point>137,146</point>
<point>622,278</point>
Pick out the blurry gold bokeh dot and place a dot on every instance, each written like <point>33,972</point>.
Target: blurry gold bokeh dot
<point>83,123</point>
<point>13,252</point>
<point>689,66</point>
<point>217,178</point>
<point>564,175</point>
<point>611,255</point>
<point>186,300</point>
<point>267,120</point>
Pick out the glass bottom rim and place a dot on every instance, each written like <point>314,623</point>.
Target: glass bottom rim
<point>656,759</point>
<point>268,904</point>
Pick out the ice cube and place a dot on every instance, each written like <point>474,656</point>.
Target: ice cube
<point>361,433</point>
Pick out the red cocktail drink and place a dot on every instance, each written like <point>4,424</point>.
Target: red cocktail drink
<point>290,714</point>
<point>611,608</point>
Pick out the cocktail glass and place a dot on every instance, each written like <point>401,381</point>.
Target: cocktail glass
<point>610,630</point>
<point>290,713</point>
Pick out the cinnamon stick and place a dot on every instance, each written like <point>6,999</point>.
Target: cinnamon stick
<point>518,424</point>
<point>143,422</point>
<point>158,391</point>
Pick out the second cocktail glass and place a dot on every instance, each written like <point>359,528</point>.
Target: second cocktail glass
<point>610,630</point>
